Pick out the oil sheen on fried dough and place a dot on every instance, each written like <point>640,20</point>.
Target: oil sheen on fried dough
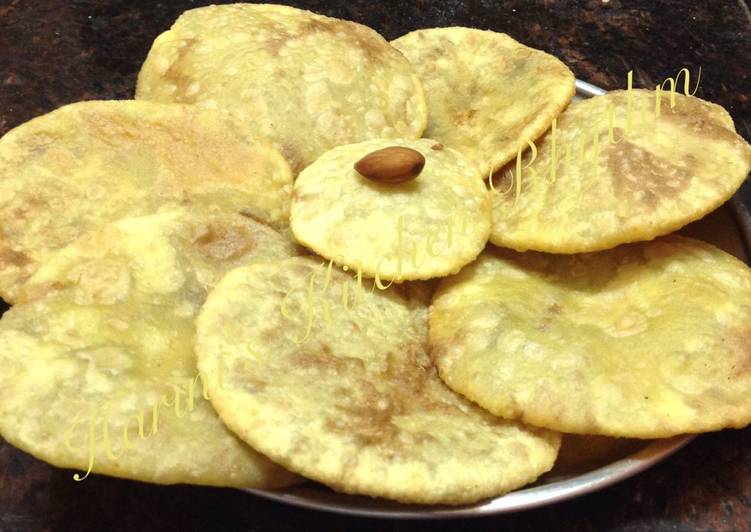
<point>428,227</point>
<point>487,93</point>
<point>105,328</point>
<point>647,340</point>
<point>89,163</point>
<point>305,81</point>
<point>672,170</point>
<point>355,404</point>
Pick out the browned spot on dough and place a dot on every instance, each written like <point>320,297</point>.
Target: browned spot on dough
<point>270,336</point>
<point>465,116</point>
<point>115,130</point>
<point>29,208</point>
<point>370,422</point>
<point>224,243</point>
<point>372,44</point>
<point>321,359</point>
<point>634,171</point>
<point>275,43</point>
<point>422,438</point>
<point>302,270</point>
<point>244,367</point>
<point>739,342</point>
<point>38,143</point>
<point>432,52</point>
<point>292,153</point>
<point>368,417</point>
<point>697,118</point>
<point>407,369</point>
<point>352,33</point>
<point>550,312</point>
<point>513,409</point>
<point>175,73</point>
<point>374,403</point>
<point>438,350</point>
<point>695,114</point>
<point>15,258</point>
<point>40,290</point>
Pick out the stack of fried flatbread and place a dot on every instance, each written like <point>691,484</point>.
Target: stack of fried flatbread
<point>273,264</point>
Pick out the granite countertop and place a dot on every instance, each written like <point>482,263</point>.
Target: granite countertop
<point>54,52</point>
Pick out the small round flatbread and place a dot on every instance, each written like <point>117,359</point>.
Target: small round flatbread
<point>669,171</point>
<point>647,340</point>
<point>89,163</point>
<point>428,227</point>
<point>305,81</point>
<point>101,342</point>
<point>487,93</point>
<point>355,402</point>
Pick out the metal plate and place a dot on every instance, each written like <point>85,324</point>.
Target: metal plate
<point>585,464</point>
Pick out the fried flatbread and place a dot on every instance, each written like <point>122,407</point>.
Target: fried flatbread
<point>647,340</point>
<point>355,403</point>
<point>670,170</point>
<point>305,81</point>
<point>428,227</point>
<point>101,342</point>
<point>487,93</point>
<point>89,163</point>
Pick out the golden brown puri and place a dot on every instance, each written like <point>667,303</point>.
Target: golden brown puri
<point>89,163</point>
<point>487,93</point>
<point>347,395</point>
<point>646,340</point>
<point>305,81</point>
<point>668,171</point>
<point>428,227</point>
<point>102,341</point>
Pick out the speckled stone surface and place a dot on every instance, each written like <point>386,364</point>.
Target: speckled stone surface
<point>54,52</point>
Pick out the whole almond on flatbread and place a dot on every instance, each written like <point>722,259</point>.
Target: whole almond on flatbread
<point>392,165</point>
<point>341,215</point>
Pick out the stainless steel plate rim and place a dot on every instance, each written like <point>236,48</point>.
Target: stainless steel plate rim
<point>523,499</point>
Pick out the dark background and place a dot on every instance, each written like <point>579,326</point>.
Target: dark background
<point>54,52</point>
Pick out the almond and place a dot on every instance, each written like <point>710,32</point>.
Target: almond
<point>392,165</point>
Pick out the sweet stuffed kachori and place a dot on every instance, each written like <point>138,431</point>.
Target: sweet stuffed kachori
<point>427,227</point>
<point>646,340</point>
<point>487,93</point>
<point>99,372</point>
<point>666,172</point>
<point>347,395</point>
<point>89,163</point>
<point>305,81</point>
